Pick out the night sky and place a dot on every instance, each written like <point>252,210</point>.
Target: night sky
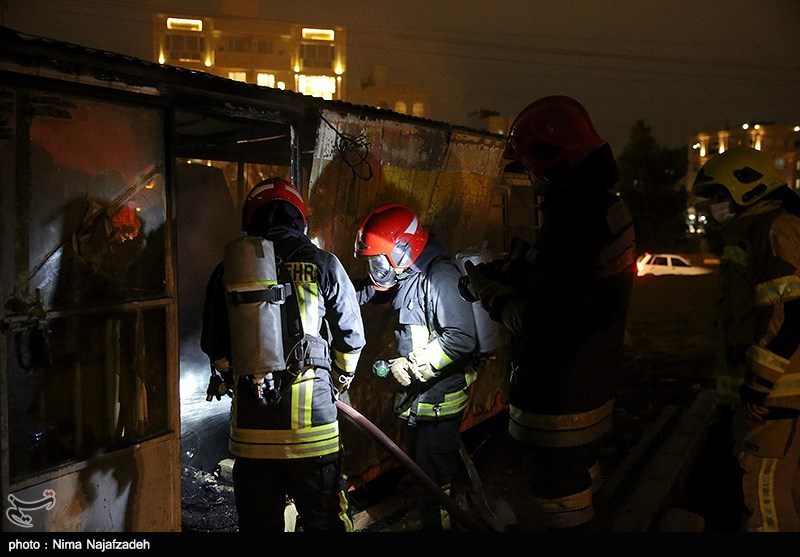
<point>682,66</point>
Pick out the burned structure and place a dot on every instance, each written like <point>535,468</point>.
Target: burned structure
<point>122,181</point>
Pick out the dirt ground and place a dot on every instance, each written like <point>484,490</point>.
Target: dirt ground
<point>668,362</point>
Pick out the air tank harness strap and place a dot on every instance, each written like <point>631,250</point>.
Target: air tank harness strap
<point>311,351</point>
<point>275,294</point>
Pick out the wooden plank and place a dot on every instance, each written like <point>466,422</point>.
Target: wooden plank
<point>654,487</point>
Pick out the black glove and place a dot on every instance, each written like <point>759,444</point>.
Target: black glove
<point>217,387</point>
<point>517,252</point>
<point>221,381</point>
<point>489,290</point>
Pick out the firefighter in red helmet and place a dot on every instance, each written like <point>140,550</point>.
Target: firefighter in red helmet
<point>282,326</point>
<point>564,300</point>
<point>435,338</point>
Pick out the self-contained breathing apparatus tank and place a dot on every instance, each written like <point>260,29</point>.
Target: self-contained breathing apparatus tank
<point>254,297</point>
<point>488,330</point>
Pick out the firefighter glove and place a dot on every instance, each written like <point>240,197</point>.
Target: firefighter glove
<point>490,291</point>
<point>421,366</point>
<point>217,387</point>
<point>401,370</point>
<point>341,379</point>
<point>517,255</point>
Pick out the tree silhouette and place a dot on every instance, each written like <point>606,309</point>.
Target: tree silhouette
<point>652,183</point>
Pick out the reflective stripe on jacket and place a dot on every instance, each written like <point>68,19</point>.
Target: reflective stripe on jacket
<point>303,424</point>
<point>567,314</point>
<point>444,330</point>
<point>759,308</point>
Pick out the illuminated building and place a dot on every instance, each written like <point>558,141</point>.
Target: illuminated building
<point>780,141</point>
<point>275,54</point>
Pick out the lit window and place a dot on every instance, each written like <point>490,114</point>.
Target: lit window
<point>238,76</point>
<point>266,79</point>
<point>318,34</point>
<point>797,183</point>
<point>317,86</point>
<point>400,106</point>
<point>418,109</point>
<point>184,24</point>
<point>281,85</point>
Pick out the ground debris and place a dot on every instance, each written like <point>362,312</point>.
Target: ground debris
<point>208,504</point>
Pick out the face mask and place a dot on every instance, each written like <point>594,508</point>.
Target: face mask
<point>721,212</point>
<point>381,272</point>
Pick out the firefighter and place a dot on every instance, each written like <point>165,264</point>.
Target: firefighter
<point>435,338</point>
<point>758,216</point>
<point>564,301</point>
<point>288,344</point>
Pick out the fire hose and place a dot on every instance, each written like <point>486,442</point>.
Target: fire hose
<point>367,427</point>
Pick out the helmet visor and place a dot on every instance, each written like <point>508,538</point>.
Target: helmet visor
<point>381,272</point>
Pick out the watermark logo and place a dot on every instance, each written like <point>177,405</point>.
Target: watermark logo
<point>16,513</point>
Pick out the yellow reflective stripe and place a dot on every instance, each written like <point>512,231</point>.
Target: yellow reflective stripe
<point>343,515</point>
<point>766,364</point>
<point>562,422</point>
<point>785,392</point>
<point>571,510</point>
<point>470,377</point>
<point>318,448</point>
<point>782,288</point>
<point>262,443</point>
<point>302,392</point>
<point>765,493</point>
<point>734,254</point>
<point>419,336</point>
<point>250,285</point>
<point>308,298</point>
<point>560,430</point>
<point>434,355</point>
<point>452,404</point>
<point>346,361</point>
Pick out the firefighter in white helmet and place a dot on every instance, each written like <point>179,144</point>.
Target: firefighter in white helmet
<point>435,339</point>
<point>270,306</point>
<point>565,302</point>
<point>758,216</point>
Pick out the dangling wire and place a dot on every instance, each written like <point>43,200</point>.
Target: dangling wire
<point>350,147</point>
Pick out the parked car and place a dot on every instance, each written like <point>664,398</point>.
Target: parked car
<point>667,264</point>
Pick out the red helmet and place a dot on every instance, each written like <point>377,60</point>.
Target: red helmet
<point>272,189</point>
<point>551,135</point>
<point>391,238</point>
